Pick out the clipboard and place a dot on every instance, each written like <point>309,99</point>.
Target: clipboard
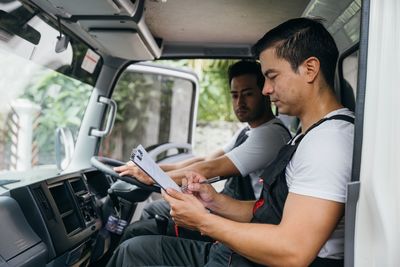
<point>143,160</point>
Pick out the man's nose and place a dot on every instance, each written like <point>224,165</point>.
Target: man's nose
<point>239,100</point>
<point>267,89</point>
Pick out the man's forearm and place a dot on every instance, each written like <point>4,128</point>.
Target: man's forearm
<point>261,243</point>
<point>178,165</point>
<point>306,224</point>
<point>185,163</point>
<point>221,166</point>
<point>236,210</point>
<point>201,168</point>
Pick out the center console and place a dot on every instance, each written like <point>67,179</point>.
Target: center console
<point>74,204</point>
<point>62,211</point>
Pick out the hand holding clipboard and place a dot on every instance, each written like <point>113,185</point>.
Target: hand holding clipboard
<point>143,160</point>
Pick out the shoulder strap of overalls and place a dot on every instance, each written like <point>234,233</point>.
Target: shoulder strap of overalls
<point>242,136</point>
<point>240,139</point>
<point>284,127</point>
<point>334,117</point>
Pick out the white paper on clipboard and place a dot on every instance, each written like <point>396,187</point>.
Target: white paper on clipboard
<point>143,160</point>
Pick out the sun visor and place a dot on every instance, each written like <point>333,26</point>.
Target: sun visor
<point>126,41</point>
<point>123,44</point>
<point>116,27</point>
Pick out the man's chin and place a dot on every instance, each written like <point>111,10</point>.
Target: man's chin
<point>285,112</point>
<point>281,108</point>
<point>242,119</point>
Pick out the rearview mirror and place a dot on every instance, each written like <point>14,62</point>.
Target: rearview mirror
<point>13,25</point>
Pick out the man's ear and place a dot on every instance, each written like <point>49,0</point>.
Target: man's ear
<point>311,68</point>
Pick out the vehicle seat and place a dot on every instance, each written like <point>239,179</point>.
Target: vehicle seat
<point>347,97</point>
<point>346,77</point>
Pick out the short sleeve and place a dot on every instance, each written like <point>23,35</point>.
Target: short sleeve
<point>231,143</point>
<point>321,166</point>
<point>260,148</point>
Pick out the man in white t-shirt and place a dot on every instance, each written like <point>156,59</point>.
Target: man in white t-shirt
<point>298,219</point>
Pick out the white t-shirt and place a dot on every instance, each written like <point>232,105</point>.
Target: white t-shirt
<point>259,149</point>
<point>321,168</point>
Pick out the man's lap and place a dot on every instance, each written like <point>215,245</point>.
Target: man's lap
<point>150,227</point>
<point>160,251</point>
<point>159,207</point>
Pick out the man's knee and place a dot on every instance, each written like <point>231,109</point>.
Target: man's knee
<point>159,207</point>
<point>139,228</point>
<point>131,230</point>
<point>141,245</point>
<point>135,252</point>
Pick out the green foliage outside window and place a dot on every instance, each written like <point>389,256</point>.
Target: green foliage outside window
<point>215,100</point>
<point>63,102</point>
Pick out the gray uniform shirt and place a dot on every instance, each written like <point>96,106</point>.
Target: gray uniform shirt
<point>258,151</point>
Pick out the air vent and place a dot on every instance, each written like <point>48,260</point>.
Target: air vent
<point>43,203</point>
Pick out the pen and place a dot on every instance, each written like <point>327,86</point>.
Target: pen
<point>208,181</point>
<point>211,180</point>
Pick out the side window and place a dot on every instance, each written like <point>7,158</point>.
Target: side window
<point>152,109</point>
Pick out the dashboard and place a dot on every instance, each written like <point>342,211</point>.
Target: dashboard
<point>54,222</point>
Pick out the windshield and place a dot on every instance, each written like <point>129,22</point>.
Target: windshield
<point>41,91</point>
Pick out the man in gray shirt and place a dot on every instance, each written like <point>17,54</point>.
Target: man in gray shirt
<point>266,136</point>
<point>249,151</point>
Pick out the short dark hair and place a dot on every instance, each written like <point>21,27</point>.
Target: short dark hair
<point>298,39</point>
<point>247,67</point>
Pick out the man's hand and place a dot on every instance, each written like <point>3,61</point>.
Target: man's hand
<point>219,204</point>
<point>204,192</point>
<point>186,209</point>
<point>189,208</point>
<point>130,169</point>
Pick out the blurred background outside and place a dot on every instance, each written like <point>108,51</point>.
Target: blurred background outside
<point>216,122</point>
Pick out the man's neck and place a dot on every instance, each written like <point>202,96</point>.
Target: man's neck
<point>266,117</point>
<point>318,109</point>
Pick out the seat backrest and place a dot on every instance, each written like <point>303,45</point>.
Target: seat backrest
<point>346,84</point>
<point>347,97</point>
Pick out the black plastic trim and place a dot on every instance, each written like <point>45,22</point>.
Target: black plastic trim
<point>361,87</point>
<point>354,186</point>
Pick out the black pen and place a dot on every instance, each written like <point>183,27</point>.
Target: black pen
<point>208,181</point>
<point>211,180</point>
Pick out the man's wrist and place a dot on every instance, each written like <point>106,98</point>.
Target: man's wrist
<point>214,204</point>
<point>204,225</point>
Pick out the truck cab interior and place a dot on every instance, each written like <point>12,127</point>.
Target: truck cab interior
<point>62,64</point>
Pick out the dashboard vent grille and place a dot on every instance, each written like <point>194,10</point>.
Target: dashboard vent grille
<point>43,203</point>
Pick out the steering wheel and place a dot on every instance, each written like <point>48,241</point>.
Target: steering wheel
<point>105,165</point>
